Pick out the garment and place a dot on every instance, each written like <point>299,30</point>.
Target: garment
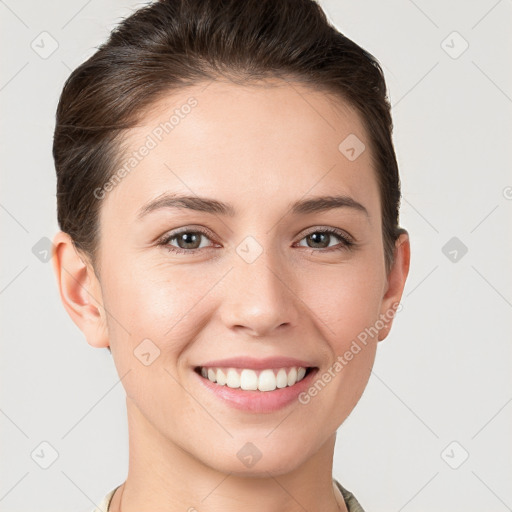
<point>350,500</point>
<point>105,502</point>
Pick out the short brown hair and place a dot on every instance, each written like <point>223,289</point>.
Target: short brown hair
<point>171,44</point>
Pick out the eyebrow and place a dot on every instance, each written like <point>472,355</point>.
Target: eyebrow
<point>212,206</point>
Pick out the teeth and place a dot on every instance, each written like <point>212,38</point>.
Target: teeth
<point>292,376</point>
<point>282,378</point>
<point>221,377</point>
<point>233,379</point>
<point>267,381</point>
<point>250,380</point>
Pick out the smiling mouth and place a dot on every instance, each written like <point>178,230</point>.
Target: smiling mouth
<point>255,380</point>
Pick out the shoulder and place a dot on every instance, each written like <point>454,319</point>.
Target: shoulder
<point>105,502</point>
<point>352,504</point>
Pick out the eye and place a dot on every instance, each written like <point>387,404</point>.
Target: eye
<point>188,240</point>
<point>320,236</point>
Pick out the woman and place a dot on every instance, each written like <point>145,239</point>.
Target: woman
<point>228,199</point>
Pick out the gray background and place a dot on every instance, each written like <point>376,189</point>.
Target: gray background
<point>441,387</point>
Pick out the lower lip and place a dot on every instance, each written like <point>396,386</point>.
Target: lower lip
<point>259,401</point>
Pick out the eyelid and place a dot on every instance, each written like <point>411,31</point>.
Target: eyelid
<point>331,229</point>
<point>186,229</point>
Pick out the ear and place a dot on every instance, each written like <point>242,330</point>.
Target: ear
<point>397,276</point>
<point>80,290</point>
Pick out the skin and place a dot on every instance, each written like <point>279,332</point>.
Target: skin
<point>259,148</point>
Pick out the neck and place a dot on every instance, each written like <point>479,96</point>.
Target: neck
<point>163,477</point>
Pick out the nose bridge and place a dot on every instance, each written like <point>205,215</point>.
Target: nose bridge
<point>259,295</point>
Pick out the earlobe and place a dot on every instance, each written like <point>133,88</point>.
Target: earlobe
<point>80,290</point>
<point>396,279</point>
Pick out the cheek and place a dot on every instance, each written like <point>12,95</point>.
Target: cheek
<point>150,298</point>
<point>162,303</point>
<point>150,324</point>
<point>347,302</point>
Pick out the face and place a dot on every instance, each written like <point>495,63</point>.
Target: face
<point>256,279</point>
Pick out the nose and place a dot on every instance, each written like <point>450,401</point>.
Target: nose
<point>259,297</point>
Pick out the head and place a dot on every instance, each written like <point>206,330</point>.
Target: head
<point>262,106</point>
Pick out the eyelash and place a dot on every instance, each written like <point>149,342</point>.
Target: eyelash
<point>346,242</point>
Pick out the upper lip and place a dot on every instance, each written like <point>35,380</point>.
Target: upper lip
<point>256,364</point>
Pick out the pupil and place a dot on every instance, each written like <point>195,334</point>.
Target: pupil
<point>185,237</point>
<point>315,236</point>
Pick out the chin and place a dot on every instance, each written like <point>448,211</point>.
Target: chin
<point>258,459</point>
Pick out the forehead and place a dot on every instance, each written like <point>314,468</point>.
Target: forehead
<point>252,145</point>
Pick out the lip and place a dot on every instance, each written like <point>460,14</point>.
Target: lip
<point>256,364</point>
<point>258,401</point>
